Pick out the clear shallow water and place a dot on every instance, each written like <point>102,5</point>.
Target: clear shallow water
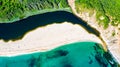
<point>80,54</point>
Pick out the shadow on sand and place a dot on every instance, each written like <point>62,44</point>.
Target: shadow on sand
<point>17,30</point>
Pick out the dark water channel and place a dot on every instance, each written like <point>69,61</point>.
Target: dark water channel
<point>16,30</point>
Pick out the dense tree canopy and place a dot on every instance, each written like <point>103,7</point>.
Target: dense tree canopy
<point>11,9</point>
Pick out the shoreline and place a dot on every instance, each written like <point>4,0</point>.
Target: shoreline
<point>85,17</point>
<point>105,33</point>
<point>50,36</point>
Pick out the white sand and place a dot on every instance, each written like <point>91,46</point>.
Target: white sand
<point>46,38</point>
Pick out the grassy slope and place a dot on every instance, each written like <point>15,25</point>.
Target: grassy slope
<point>12,10</point>
<point>108,9</point>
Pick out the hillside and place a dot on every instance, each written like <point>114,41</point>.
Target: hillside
<point>107,11</point>
<point>13,10</point>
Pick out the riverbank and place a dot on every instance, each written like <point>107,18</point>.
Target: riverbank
<point>112,42</point>
<point>31,13</point>
<point>25,8</point>
<point>47,38</point>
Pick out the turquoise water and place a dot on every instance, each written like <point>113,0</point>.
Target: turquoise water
<point>80,54</point>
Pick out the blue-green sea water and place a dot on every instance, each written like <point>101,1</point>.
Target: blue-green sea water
<point>79,54</point>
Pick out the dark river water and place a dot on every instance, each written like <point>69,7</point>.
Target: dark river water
<point>16,30</point>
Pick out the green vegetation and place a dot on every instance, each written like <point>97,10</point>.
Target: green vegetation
<point>107,11</point>
<point>12,10</point>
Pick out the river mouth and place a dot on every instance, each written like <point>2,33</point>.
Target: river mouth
<point>17,30</point>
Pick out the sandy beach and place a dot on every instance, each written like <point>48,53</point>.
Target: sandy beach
<point>47,38</point>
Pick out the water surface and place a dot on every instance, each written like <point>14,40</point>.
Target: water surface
<point>80,54</point>
<point>17,30</point>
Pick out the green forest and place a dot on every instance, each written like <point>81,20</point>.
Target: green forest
<point>12,9</point>
<point>109,9</point>
<point>19,9</point>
